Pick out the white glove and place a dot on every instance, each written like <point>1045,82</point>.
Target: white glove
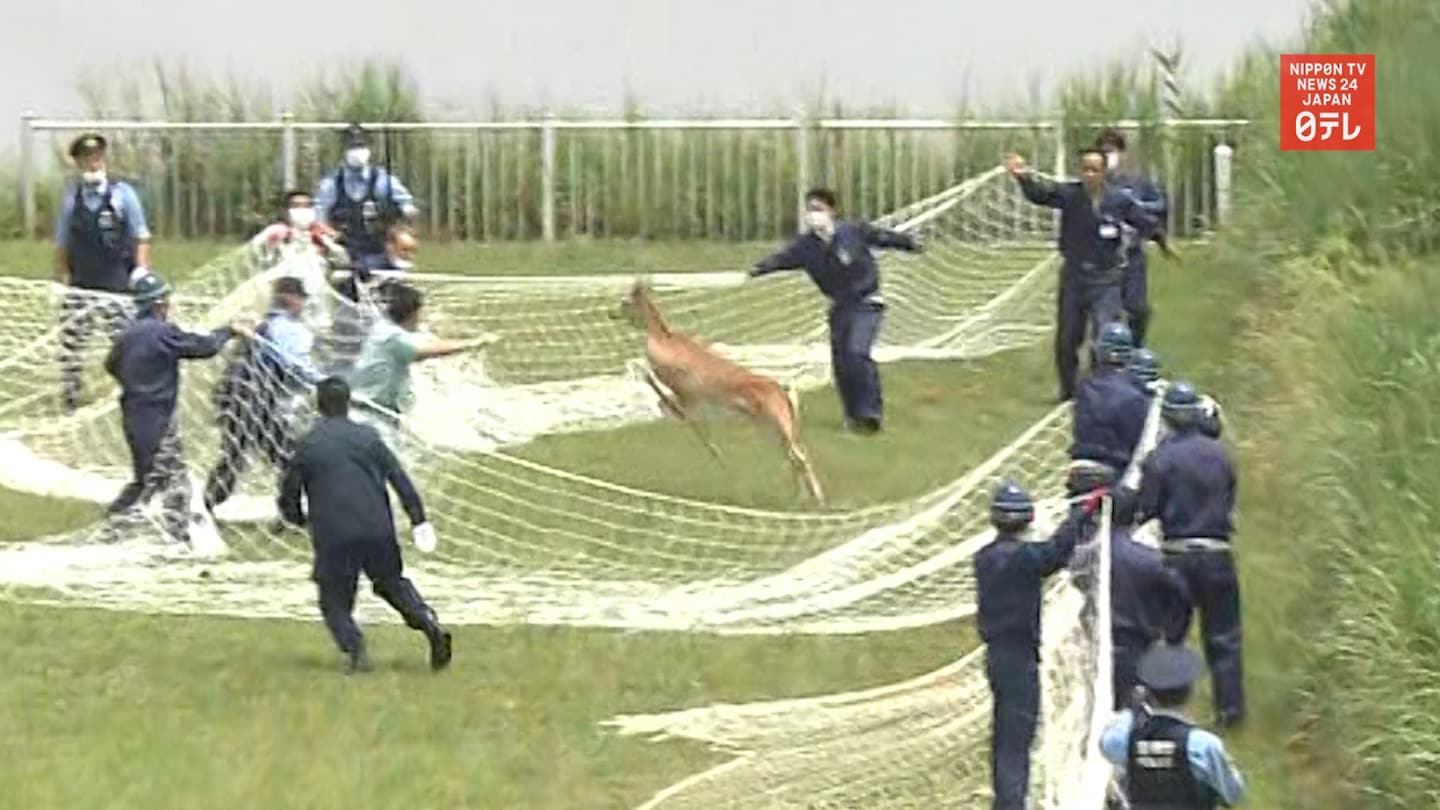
<point>424,537</point>
<point>137,274</point>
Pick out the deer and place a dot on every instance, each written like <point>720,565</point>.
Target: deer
<point>687,374</point>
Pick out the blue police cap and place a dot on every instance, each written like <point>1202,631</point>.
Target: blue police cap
<point>1168,668</point>
<point>355,137</point>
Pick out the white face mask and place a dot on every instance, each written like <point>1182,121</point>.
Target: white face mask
<point>302,218</point>
<point>357,158</point>
<point>403,264</point>
<point>820,221</point>
<point>1112,160</point>
<point>95,178</point>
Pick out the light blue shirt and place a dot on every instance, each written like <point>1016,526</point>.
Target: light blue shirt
<point>1208,761</point>
<point>124,199</point>
<point>357,181</point>
<point>290,342</point>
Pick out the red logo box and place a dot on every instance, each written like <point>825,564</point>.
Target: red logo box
<point>1327,102</point>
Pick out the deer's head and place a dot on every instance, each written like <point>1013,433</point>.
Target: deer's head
<point>635,306</point>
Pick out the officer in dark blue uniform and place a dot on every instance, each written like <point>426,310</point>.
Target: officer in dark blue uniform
<point>101,240</point>
<point>342,467</point>
<point>1188,484</point>
<point>1092,216</point>
<point>1149,602</point>
<point>1010,574</point>
<point>837,257</point>
<point>1170,763</point>
<point>145,360</point>
<point>1109,416</point>
<point>1135,292</point>
<point>1144,369</point>
<point>362,202</point>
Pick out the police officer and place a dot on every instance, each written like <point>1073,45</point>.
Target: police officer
<point>342,468</point>
<point>1170,764</point>
<point>145,360</point>
<point>836,255</point>
<point>1109,414</point>
<point>1188,483</point>
<point>1144,370</point>
<point>101,243</point>
<point>253,401</point>
<point>1092,215</point>
<point>1135,293</point>
<point>1149,602</point>
<point>1010,574</point>
<point>362,201</point>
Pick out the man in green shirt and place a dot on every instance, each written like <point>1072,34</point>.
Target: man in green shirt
<point>382,372</point>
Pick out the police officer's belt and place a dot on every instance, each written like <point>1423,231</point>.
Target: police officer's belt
<point>1188,545</point>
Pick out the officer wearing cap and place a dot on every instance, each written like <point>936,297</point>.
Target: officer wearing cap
<point>1188,483</point>
<point>1170,764</point>
<point>145,360</point>
<point>257,391</point>
<point>1010,573</point>
<point>101,243</point>
<point>362,202</point>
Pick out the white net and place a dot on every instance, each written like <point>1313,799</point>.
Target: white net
<point>527,542</point>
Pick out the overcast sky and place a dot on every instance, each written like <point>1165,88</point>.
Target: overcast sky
<point>675,55</point>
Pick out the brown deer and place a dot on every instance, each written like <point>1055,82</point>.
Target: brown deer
<point>687,375</point>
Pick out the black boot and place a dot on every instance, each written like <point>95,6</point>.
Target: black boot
<point>440,646</point>
<point>357,661</point>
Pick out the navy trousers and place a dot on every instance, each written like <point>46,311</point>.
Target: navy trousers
<point>853,329</point>
<point>1081,303</point>
<point>1014,674</point>
<point>337,575</point>
<point>157,466</point>
<point>1215,591</point>
<point>1135,296</point>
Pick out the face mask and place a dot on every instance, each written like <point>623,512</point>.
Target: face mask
<point>302,218</point>
<point>819,221</point>
<point>402,264</point>
<point>357,158</point>
<point>1112,160</point>
<point>95,178</point>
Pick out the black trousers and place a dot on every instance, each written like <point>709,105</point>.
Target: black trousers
<point>1135,295</point>
<point>337,574</point>
<point>80,312</point>
<point>1215,591</point>
<point>1081,303</point>
<point>157,458</point>
<point>254,422</point>
<point>1014,674</point>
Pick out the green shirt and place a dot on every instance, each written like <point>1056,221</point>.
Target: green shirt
<point>382,372</point>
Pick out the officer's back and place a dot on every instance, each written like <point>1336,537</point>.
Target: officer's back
<point>344,467</point>
<point>1010,573</point>
<point>1110,414</point>
<point>146,358</point>
<point>1189,484</point>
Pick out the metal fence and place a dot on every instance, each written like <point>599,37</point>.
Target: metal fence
<point>739,179</point>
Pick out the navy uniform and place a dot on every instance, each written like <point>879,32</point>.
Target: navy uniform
<point>1149,602</point>
<point>1010,575</point>
<point>1144,371</point>
<point>1109,415</point>
<point>1188,484</point>
<point>255,389</point>
<point>1169,762</point>
<point>1135,295</point>
<point>100,238</point>
<point>145,360</point>
<point>1092,246</point>
<point>343,467</point>
<point>362,201</point>
<point>837,257</point>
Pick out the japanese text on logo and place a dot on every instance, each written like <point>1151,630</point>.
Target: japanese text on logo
<point>1327,102</point>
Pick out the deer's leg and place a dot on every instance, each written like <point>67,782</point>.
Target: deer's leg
<point>676,407</point>
<point>776,410</point>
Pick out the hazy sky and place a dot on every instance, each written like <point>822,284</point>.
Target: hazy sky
<point>675,55</point>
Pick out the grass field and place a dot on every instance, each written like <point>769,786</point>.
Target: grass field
<point>206,713</point>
